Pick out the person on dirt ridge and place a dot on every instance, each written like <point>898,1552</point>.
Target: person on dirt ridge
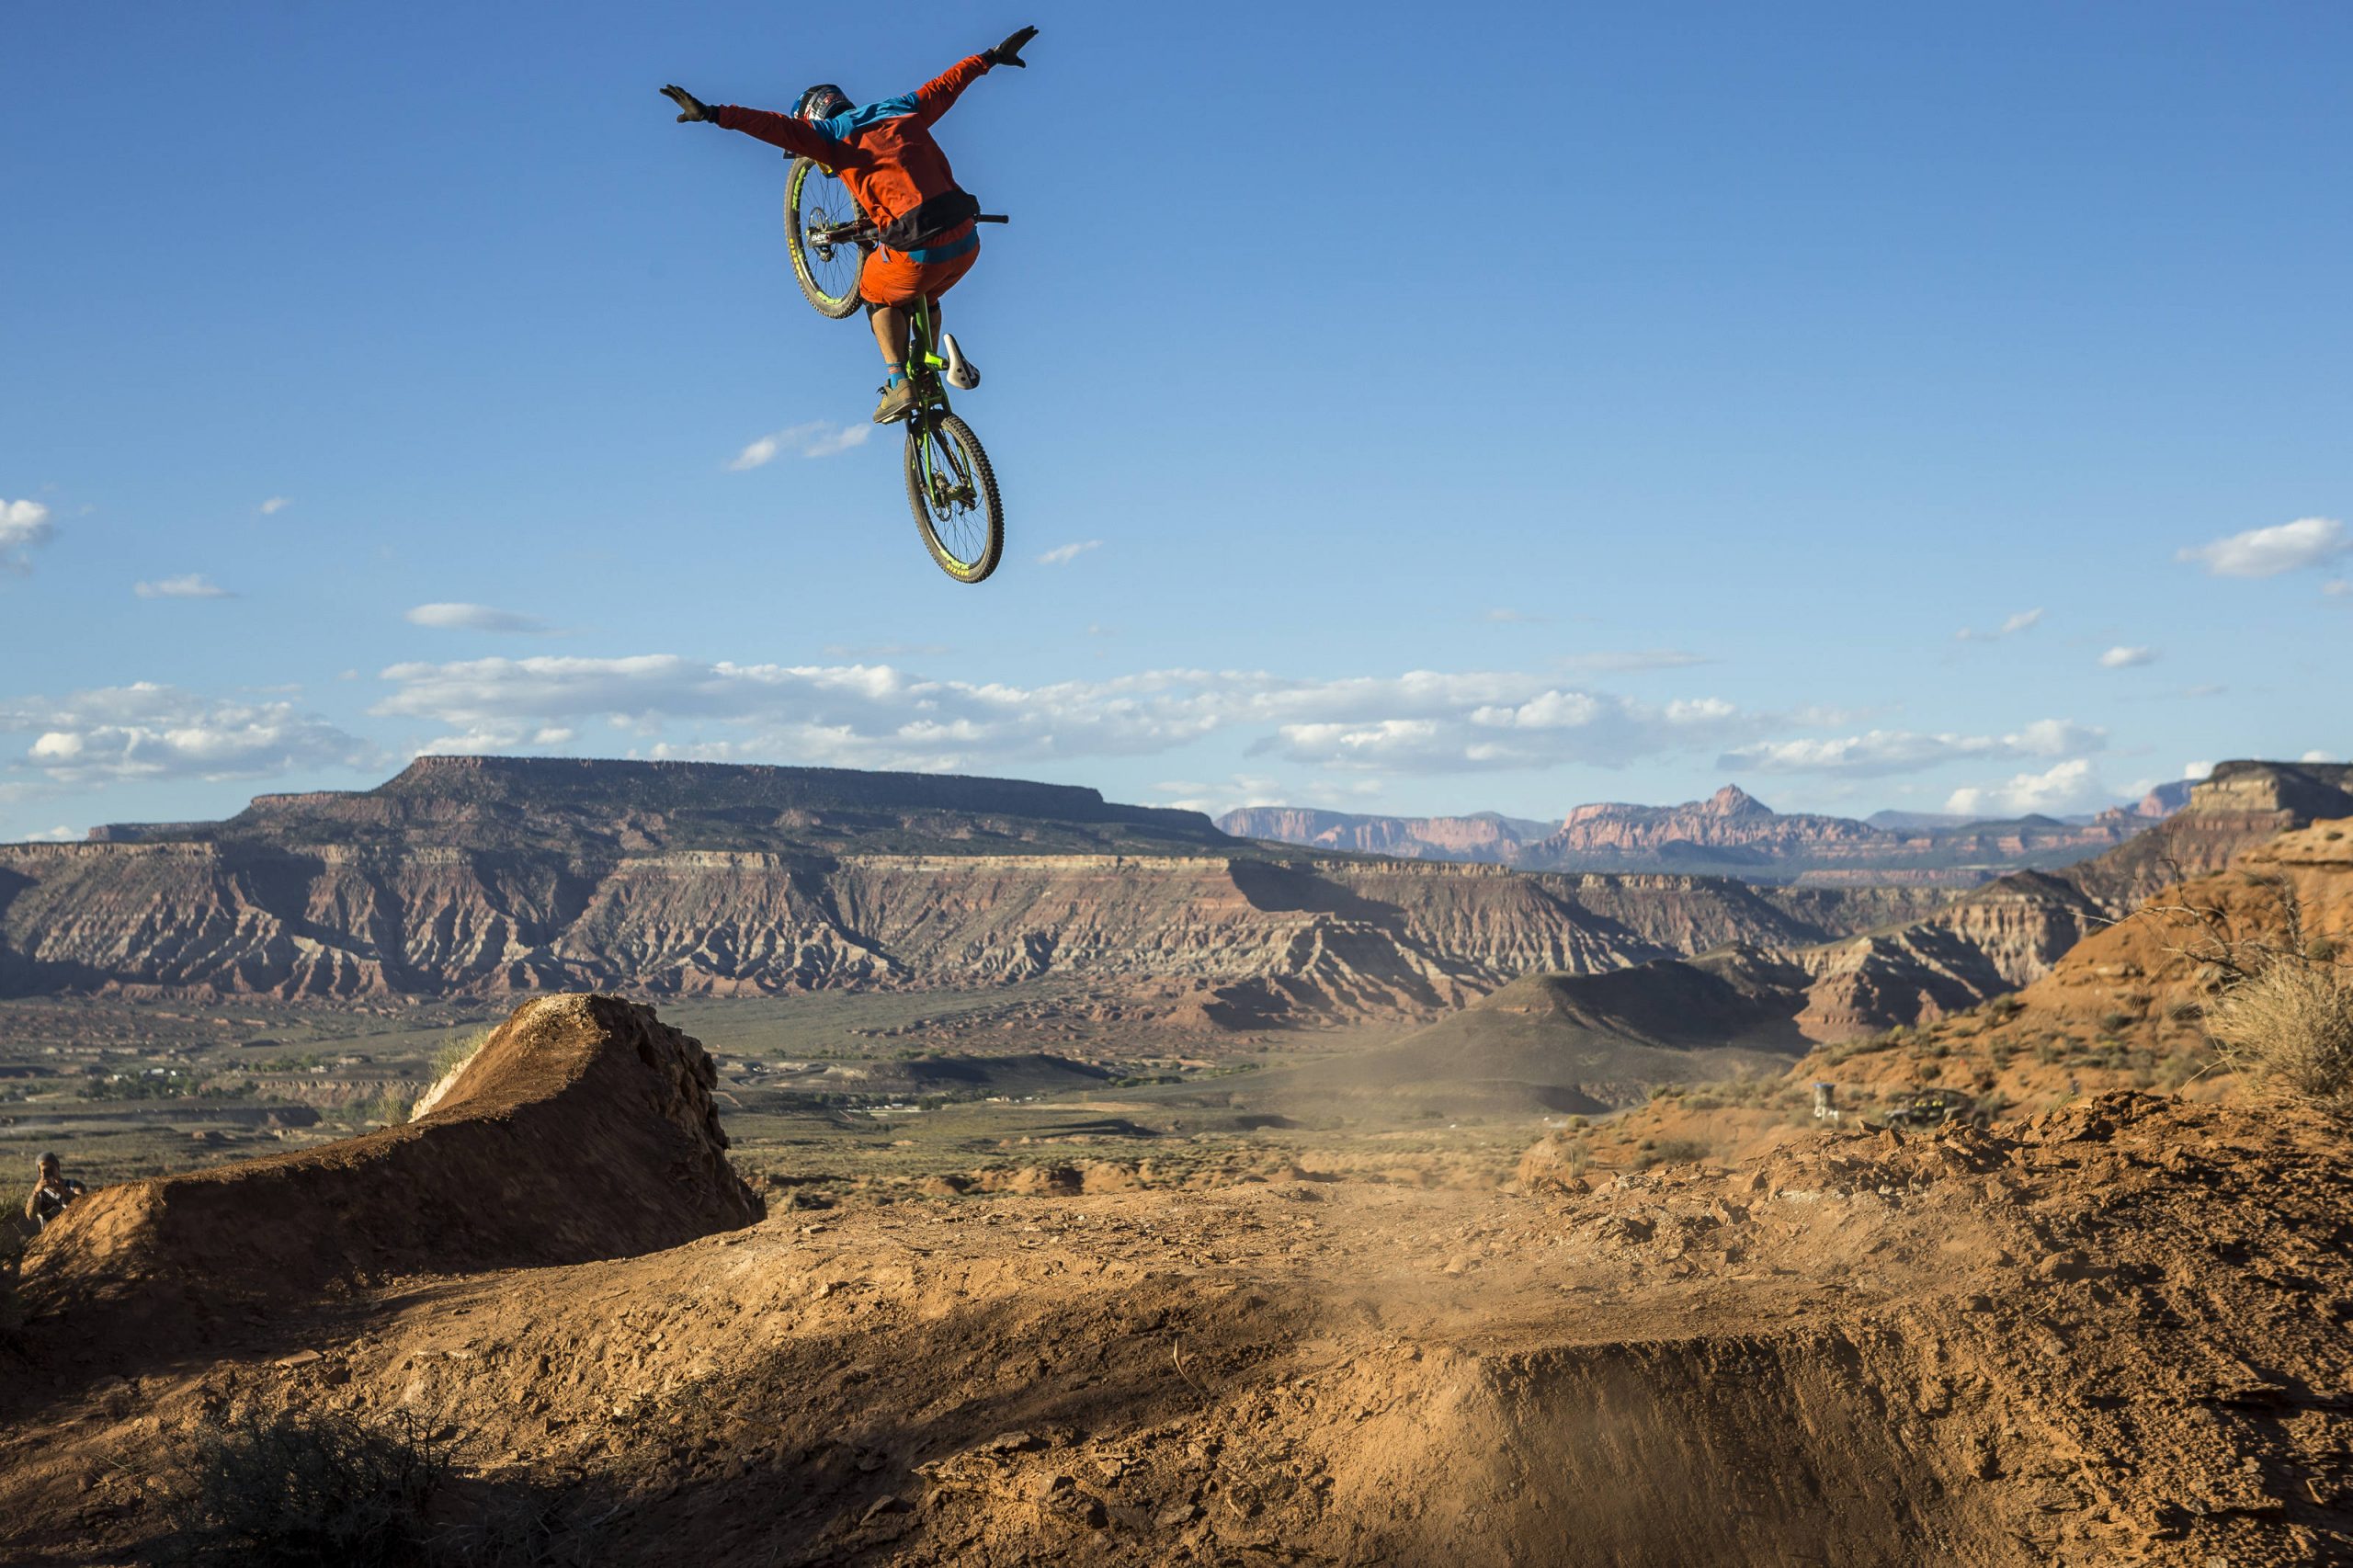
<point>52,1190</point>
<point>885,155</point>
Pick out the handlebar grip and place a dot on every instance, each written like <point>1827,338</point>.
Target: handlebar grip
<point>991,218</point>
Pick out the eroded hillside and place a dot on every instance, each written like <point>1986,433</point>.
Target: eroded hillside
<point>497,876</point>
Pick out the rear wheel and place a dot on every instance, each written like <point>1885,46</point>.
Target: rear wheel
<point>953,493</point>
<point>816,199</point>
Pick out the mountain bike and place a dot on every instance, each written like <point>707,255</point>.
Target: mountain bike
<point>949,483</point>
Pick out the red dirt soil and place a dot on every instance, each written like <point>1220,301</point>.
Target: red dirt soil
<point>582,1129</point>
<point>2113,1335</point>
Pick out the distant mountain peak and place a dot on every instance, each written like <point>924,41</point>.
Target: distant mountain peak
<point>1732,800</point>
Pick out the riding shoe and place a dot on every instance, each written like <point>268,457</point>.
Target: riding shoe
<point>897,398</point>
<point>963,374</point>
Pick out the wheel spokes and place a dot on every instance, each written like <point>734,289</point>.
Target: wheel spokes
<point>955,503</point>
<point>821,202</point>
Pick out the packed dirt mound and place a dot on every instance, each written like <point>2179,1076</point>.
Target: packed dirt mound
<point>2114,1336</point>
<point>2117,1333</point>
<point>582,1129</point>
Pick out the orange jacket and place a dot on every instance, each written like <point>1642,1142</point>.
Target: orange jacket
<point>883,151</point>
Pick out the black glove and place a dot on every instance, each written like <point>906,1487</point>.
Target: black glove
<point>689,106</point>
<point>1009,51</point>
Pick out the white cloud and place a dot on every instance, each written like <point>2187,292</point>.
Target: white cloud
<point>2337,587</point>
<point>2317,756</point>
<point>1633,660</point>
<point>477,617</point>
<point>817,439</point>
<point>23,526</point>
<point>2267,552</point>
<point>149,730</point>
<point>2196,771</point>
<point>194,586</point>
<point>58,834</point>
<point>2068,787</point>
<point>488,738</point>
<point>2023,621</point>
<point>1879,752</point>
<point>1062,555</point>
<point>2122,658</point>
<point>274,505</point>
<point>1215,800</point>
<point>880,716</point>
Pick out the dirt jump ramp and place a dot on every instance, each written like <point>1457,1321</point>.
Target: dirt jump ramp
<point>582,1129</point>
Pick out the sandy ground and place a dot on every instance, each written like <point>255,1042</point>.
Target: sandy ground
<point>2114,1335</point>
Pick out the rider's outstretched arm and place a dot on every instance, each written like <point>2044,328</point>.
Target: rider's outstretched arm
<point>792,132</point>
<point>789,131</point>
<point>933,98</point>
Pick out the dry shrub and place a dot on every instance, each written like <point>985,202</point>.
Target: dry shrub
<point>2290,1027</point>
<point>1670,1152</point>
<point>296,1490</point>
<point>259,1492</point>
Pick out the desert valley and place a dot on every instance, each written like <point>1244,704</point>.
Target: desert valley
<point>680,1162</point>
<point>1599,819</point>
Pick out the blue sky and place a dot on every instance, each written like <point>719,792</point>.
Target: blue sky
<point>1397,409</point>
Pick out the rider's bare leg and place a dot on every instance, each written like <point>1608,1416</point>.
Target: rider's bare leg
<point>891,333</point>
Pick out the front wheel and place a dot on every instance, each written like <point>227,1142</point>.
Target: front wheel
<point>953,493</point>
<point>815,198</point>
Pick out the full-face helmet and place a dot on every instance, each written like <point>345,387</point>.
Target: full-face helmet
<point>823,102</point>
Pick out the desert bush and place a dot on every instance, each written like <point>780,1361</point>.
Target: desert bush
<point>1669,1152</point>
<point>457,1052</point>
<point>2289,1026</point>
<point>388,1107</point>
<point>294,1490</point>
<point>298,1490</point>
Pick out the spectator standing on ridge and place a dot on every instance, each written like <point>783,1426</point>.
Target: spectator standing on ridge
<point>52,1190</point>
<point>900,179</point>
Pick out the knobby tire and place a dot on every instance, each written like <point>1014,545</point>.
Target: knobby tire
<point>810,179</point>
<point>983,479</point>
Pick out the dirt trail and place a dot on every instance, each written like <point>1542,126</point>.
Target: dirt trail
<point>2113,1335</point>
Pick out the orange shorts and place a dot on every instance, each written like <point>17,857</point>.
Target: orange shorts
<point>890,278</point>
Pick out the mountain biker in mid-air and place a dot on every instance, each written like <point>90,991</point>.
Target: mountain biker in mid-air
<point>884,153</point>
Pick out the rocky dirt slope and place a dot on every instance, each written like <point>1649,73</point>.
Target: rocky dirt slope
<point>2013,931</point>
<point>2115,1335</point>
<point>2123,1007</point>
<point>583,1128</point>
